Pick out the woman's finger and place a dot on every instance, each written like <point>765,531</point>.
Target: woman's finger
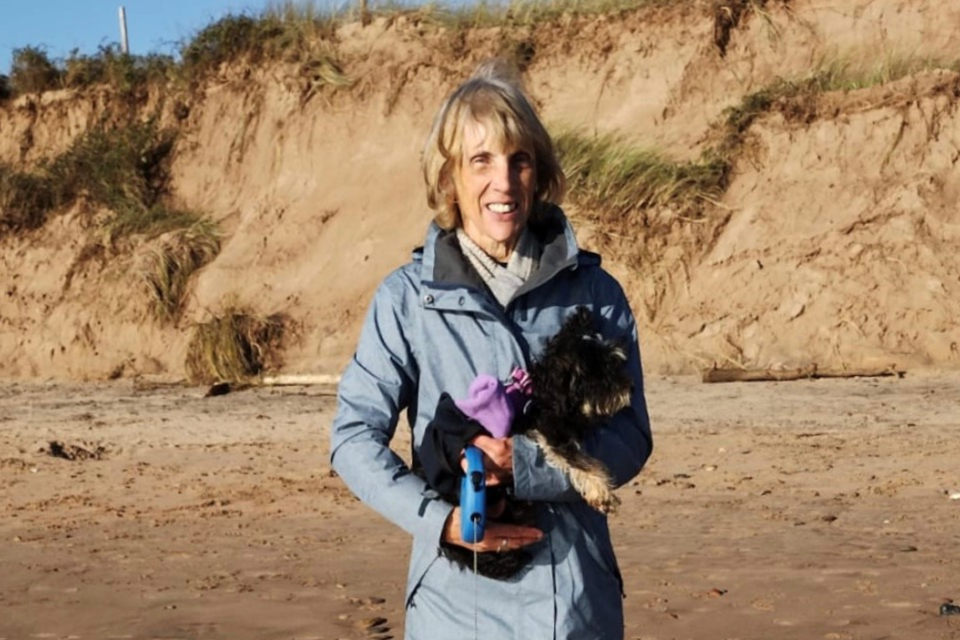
<point>498,452</point>
<point>501,537</point>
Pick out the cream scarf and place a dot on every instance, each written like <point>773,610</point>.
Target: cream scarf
<point>503,280</point>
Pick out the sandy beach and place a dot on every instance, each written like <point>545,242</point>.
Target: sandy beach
<point>813,509</point>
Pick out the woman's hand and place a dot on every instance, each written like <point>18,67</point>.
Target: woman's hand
<point>497,459</point>
<point>498,536</point>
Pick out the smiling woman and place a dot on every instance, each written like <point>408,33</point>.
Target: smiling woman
<point>499,274</point>
<point>494,187</point>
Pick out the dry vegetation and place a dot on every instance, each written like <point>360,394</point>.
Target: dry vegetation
<point>234,347</point>
<point>170,265</point>
<point>122,169</point>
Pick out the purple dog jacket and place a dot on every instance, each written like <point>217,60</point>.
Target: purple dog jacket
<point>493,404</point>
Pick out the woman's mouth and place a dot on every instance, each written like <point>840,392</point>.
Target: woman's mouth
<point>502,207</point>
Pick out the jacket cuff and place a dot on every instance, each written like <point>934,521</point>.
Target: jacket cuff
<point>533,478</point>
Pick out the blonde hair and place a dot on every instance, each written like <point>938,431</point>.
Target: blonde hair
<point>491,96</point>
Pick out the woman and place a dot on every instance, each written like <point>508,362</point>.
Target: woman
<point>498,274</point>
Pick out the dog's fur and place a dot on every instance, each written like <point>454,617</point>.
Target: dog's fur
<point>578,381</point>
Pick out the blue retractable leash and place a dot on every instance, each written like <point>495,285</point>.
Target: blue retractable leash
<point>473,516</point>
<point>473,497</point>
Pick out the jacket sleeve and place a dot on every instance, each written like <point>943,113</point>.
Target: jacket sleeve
<point>623,444</point>
<point>376,386</point>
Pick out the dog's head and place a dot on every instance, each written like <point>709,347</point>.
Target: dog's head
<point>580,373</point>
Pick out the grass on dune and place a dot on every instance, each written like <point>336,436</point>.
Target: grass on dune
<point>118,168</point>
<point>123,169</point>
<point>235,346</point>
<point>613,177</point>
<point>25,199</point>
<point>517,13</point>
<point>297,32</point>
<point>306,33</point>
<point>169,267</point>
<point>798,97</point>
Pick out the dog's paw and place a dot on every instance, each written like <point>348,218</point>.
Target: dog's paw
<point>608,504</point>
<point>599,495</point>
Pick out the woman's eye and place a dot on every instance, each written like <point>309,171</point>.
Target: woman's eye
<point>523,159</point>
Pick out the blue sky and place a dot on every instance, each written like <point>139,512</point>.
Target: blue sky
<point>153,26</point>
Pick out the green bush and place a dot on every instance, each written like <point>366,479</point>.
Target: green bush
<point>294,34</point>
<point>122,169</point>
<point>25,200</point>
<point>32,71</point>
<point>227,39</point>
<point>117,168</point>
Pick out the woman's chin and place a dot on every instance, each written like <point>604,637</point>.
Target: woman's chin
<point>506,231</point>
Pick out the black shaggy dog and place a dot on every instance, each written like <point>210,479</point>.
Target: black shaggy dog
<point>578,381</point>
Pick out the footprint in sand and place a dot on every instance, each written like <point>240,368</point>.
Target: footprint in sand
<point>370,627</point>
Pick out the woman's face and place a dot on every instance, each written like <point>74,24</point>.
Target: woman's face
<point>494,190</point>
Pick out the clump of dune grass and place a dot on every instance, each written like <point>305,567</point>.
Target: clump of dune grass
<point>133,218</point>
<point>615,178</point>
<point>169,267</point>
<point>305,34</point>
<point>6,89</point>
<point>295,34</point>
<point>514,13</point>
<point>124,72</point>
<point>300,32</point>
<point>841,74</point>
<point>115,166</point>
<point>123,169</point>
<point>25,199</point>
<point>32,71</point>
<point>234,347</point>
<point>798,98</point>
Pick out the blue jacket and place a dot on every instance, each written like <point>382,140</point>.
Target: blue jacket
<point>433,327</point>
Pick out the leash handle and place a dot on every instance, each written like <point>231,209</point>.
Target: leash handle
<point>473,497</point>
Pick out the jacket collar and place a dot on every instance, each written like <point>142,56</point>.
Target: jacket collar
<point>445,266</point>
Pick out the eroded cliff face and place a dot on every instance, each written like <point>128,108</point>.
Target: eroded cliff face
<point>834,242</point>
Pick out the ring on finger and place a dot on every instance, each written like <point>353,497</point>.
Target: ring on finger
<point>503,545</point>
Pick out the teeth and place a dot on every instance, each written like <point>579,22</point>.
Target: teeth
<point>498,207</point>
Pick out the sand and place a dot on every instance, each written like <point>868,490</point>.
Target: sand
<point>813,509</point>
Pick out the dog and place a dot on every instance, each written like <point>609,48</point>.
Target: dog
<point>578,381</point>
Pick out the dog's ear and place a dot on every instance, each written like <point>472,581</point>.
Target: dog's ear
<point>580,323</point>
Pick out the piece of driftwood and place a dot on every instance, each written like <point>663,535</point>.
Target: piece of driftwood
<point>300,379</point>
<point>224,387</point>
<point>805,373</point>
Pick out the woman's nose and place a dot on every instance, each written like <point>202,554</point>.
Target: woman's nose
<point>503,175</point>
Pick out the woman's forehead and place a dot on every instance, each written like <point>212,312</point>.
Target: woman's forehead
<point>484,135</point>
